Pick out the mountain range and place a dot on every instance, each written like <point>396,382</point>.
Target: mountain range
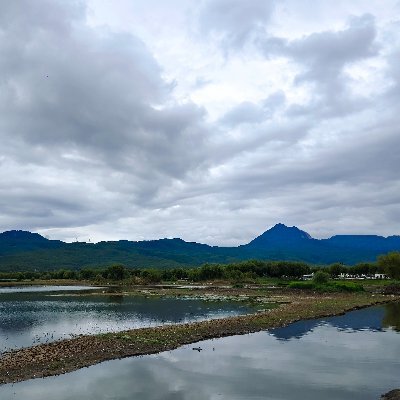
<point>22,250</point>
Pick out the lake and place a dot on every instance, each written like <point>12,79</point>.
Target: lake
<point>33,315</point>
<point>41,289</point>
<point>355,357</point>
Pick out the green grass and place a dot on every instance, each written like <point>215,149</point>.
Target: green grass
<point>341,286</point>
<point>370,282</point>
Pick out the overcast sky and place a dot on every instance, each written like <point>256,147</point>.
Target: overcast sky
<point>207,120</point>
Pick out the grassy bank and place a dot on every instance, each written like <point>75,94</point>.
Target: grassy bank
<point>69,355</point>
<point>328,287</point>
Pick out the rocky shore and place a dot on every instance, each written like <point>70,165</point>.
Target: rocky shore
<point>392,395</point>
<point>69,355</point>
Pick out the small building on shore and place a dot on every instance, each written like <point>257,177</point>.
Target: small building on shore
<point>307,277</point>
<point>380,276</point>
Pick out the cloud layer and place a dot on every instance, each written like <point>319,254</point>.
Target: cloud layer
<point>212,126</point>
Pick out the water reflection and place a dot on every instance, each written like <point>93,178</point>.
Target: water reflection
<point>327,363</point>
<point>116,299</point>
<point>50,288</point>
<point>29,318</point>
<point>391,318</point>
<point>372,319</point>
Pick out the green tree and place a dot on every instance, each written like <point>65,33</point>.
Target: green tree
<point>336,269</point>
<point>87,273</point>
<point>70,274</point>
<point>390,263</point>
<point>151,275</point>
<point>321,278</point>
<point>362,268</point>
<point>115,272</point>
<point>210,271</point>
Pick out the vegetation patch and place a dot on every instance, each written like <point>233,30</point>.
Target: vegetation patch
<point>238,274</point>
<point>327,287</point>
<point>393,288</point>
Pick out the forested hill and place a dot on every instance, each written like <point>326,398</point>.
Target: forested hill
<point>21,250</point>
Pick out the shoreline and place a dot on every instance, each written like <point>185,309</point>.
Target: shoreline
<point>83,351</point>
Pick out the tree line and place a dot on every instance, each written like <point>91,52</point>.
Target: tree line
<point>242,271</point>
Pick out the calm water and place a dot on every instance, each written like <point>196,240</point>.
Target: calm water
<point>35,289</point>
<point>30,316</point>
<point>353,357</point>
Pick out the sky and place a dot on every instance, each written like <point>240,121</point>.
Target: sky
<point>209,120</point>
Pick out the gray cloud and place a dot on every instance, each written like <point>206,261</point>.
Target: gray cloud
<point>96,143</point>
<point>248,112</point>
<point>393,91</point>
<point>234,22</point>
<point>82,102</point>
<point>323,57</point>
<point>326,53</point>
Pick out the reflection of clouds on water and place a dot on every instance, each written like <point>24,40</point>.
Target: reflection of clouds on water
<point>31,318</point>
<point>327,363</point>
<point>372,318</point>
<point>344,357</point>
<point>42,289</point>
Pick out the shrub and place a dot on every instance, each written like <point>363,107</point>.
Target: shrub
<point>327,287</point>
<point>301,285</point>
<point>348,287</point>
<point>321,278</point>
<point>390,263</point>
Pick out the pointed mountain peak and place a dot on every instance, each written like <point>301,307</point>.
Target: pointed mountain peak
<point>280,233</point>
<point>289,230</point>
<point>280,226</point>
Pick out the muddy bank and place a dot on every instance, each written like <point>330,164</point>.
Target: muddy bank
<point>69,355</point>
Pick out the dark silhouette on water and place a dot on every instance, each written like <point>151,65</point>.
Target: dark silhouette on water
<point>373,319</point>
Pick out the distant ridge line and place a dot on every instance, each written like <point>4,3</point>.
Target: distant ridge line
<point>21,250</point>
